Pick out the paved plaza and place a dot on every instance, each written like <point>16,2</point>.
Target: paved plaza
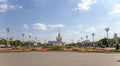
<point>59,59</point>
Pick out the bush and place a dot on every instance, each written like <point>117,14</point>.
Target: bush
<point>45,46</point>
<point>33,49</point>
<point>74,49</point>
<point>68,47</point>
<point>56,47</point>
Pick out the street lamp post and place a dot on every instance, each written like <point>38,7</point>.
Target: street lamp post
<point>107,29</point>
<point>72,42</point>
<point>7,30</point>
<point>35,41</point>
<point>30,40</point>
<point>78,43</point>
<point>81,40</point>
<point>23,34</point>
<point>45,41</point>
<point>86,37</point>
<point>86,40</point>
<point>93,34</point>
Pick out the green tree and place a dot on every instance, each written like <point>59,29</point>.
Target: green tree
<point>3,41</point>
<point>16,43</point>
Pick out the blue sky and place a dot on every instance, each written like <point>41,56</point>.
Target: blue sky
<point>74,18</point>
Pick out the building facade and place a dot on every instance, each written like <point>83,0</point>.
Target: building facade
<point>59,40</point>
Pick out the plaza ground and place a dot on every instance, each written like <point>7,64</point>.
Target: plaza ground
<point>59,59</point>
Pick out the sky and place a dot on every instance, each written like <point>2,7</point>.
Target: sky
<point>73,18</point>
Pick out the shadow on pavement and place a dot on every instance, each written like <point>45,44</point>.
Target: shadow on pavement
<point>118,60</point>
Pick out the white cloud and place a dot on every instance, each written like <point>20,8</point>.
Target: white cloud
<point>56,26</point>
<point>79,26</point>
<point>90,29</point>
<point>74,33</point>
<point>39,0</point>
<point>117,23</point>
<point>28,34</point>
<point>39,26</point>
<point>40,35</point>
<point>2,35</point>
<point>25,26</point>
<point>85,5</point>
<point>4,6</point>
<point>116,9</point>
<point>3,0</point>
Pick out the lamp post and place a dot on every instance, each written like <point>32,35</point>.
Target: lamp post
<point>35,42</point>
<point>81,40</point>
<point>86,40</point>
<point>7,31</point>
<point>107,29</point>
<point>30,40</point>
<point>72,42</point>
<point>35,39</point>
<point>93,34</point>
<point>78,43</point>
<point>86,37</point>
<point>23,34</point>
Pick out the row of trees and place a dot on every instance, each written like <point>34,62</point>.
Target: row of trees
<point>104,42</point>
<point>18,43</point>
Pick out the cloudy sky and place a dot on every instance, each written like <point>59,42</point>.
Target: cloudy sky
<point>74,18</point>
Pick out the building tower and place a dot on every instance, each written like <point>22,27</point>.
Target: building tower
<point>116,38</point>
<point>59,39</point>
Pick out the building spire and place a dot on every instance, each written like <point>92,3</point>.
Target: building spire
<point>59,32</point>
<point>59,39</point>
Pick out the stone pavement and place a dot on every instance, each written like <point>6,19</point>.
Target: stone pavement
<point>59,59</point>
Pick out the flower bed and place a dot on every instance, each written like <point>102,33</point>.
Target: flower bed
<point>58,48</point>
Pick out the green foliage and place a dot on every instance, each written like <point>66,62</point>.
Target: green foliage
<point>15,43</point>
<point>104,41</point>
<point>3,41</point>
<point>33,49</point>
<point>57,47</point>
<point>45,45</point>
<point>68,47</point>
<point>39,44</point>
<point>29,44</point>
<point>79,44</point>
<point>74,49</point>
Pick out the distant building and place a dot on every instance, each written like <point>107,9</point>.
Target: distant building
<point>57,42</point>
<point>52,43</point>
<point>86,41</point>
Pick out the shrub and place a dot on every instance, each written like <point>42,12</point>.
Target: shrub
<point>68,47</point>
<point>33,49</point>
<point>56,47</point>
<point>45,46</point>
<point>74,49</point>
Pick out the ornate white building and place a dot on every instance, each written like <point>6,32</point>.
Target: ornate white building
<point>59,40</point>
